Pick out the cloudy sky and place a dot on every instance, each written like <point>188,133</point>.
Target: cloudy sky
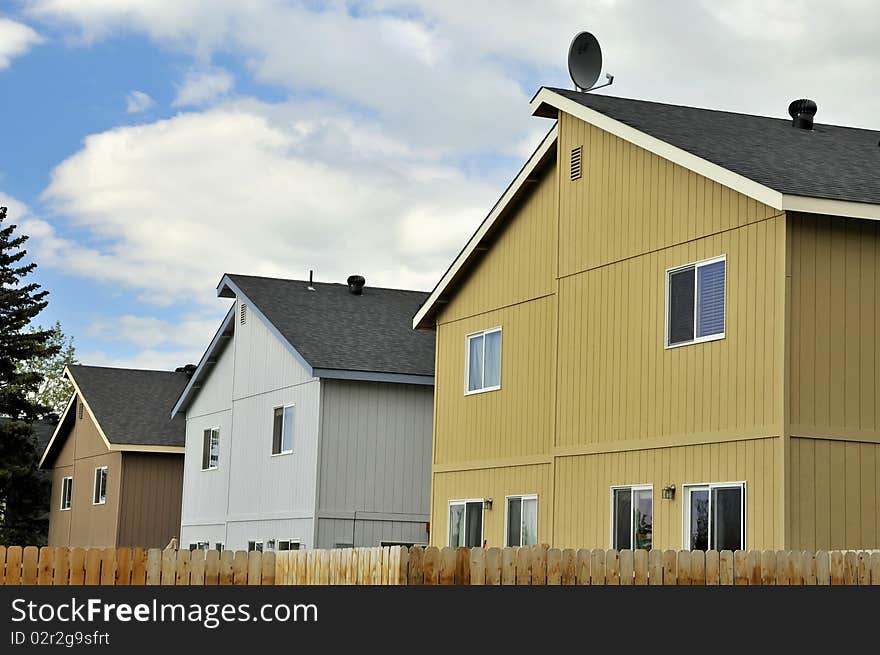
<point>149,146</point>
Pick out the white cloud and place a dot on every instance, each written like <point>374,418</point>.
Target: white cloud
<point>138,101</point>
<point>149,359</point>
<point>15,40</point>
<point>149,332</point>
<point>202,87</point>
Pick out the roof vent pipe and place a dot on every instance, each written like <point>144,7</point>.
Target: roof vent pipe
<point>311,286</point>
<point>802,112</point>
<point>356,284</point>
<point>189,369</point>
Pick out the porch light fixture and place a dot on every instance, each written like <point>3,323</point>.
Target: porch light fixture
<point>669,492</point>
<point>487,503</point>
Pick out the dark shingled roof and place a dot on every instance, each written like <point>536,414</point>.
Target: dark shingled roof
<point>133,407</point>
<point>334,329</point>
<point>829,161</point>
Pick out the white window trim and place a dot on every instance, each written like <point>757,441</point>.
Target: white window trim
<point>290,543</point>
<point>465,501</point>
<point>63,480</point>
<point>506,506</point>
<point>103,500</point>
<point>631,487</point>
<point>282,408</point>
<point>256,541</point>
<point>686,509</point>
<point>467,360</point>
<point>217,465</point>
<point>696,339</point>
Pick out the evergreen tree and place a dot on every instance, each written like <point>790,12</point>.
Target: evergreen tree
<point>24,495</point>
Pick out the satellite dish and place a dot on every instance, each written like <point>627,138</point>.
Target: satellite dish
<point>584,61</point>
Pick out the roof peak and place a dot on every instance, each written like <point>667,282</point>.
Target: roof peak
<point>316,283</point>
<point>123,368</point>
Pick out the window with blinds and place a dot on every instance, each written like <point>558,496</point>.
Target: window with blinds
<point>695,302</point>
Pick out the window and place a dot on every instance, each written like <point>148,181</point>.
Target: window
<point>632,518</point>
<point>270,545</point>
<point>287,544</point>
<point>210,449</point>
<point>695,302</point>
<point>199,545</point>
<point>282,430</point>
<point>483,369</point>
<point>522,520</point>
<point>218,546</point>
<point>255,545</point>
<point>66,492</point>
<point>343,544</point>
<point>100,495</point>
<point>714,516</point>
<point>466,523</point>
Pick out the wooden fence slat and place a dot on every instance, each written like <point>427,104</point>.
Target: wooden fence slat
<point>416,570</point>
<point>795,568</point>
<point>254,568</point>
<point>851,568</point>
<point>139,567</point>
<point>77,566</point>
<point>299,567</point>
<point>448,561</point>
<point>655,567</point>
<point>240,568</point>
<point>554,566</point>
<point>431,566</point>
<point>181,567</point>
<point>30,565</point>
<point>727,567</point>
<point>477,565</point>
<point>683,568</point>
<point>713,568</point>
<point>93,566</point>
<point>197,567</point>
<point>808,568</point>
<point>61,572</point>
<point>875,568</point>
<point>768,568</point>
<point>123,566</point>
<point>267,573</point>
<point>640,567</point>
<point>44,566</point>
<point>2,565</point>
<point>462,566</point>
<point>402,566</point>
<point>864,568</point>
<point>539,565</point>
<point>524,566</point>
<point>13,565</point>
<point>108,566</point>
<point>670,575</point>
<point>783,567</point>
<point>612,568</point>
<point>569,566</point>
<point>823,568</point>
<point>698,567</point>
<point>741,568</point>
<point>754,559</point>
<point>626,567</point>
<point>597,567</point>
<point>583,566</point>
<point>169,567</point>
<point>837,567</point>
<point>493,566</point>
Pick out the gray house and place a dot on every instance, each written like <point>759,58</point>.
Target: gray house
<point>309,419</point>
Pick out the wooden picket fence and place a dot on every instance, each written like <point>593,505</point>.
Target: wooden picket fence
<point>395,565</point>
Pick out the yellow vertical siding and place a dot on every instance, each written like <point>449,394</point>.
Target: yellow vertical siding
<point>519,264</point>
<point>618,382</point>
<point>835,327</point>
<point>630,201</point>
<point>583,490</point>
<point>516,420</point>
<point>495,483</point>
<point>835,494</point>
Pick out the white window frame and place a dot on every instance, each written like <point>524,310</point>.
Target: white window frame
<point>632,488</point>
<point>467,360</point>
<point>199,545</point>
<point>506,508</point>
<point>695,265</point>
<point>283,409</point>
<point>686,509</point>
<point>289,542</point>
<point>103,499</point>
<point>255,542</point>
<point>213,430</point>
<point>67,485</point>
<point>465,501</point>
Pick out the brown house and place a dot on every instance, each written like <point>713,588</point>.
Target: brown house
<point>117,460</point>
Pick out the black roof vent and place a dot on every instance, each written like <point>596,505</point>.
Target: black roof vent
<point>356,284</point>
<point>802,112</point>
<point>189,369</point>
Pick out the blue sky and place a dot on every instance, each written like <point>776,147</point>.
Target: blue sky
<point>150,146</point>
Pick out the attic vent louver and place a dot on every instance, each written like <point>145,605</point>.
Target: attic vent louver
<point>802,113</point>
<point>576,154</point>
<point>243,312</point>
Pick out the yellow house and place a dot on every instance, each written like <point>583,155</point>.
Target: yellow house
<point>665,334</point>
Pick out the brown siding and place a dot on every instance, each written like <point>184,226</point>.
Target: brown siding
<point>149,515</point>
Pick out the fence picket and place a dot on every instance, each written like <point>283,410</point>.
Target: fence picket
<point>612,568</point>
<point>864,568</point>
<point>448,561</point>
<point>837,567</point>
<point>123,566</point>
<point>669,572</point>
<point>808,568</point>
<point>253,568</point>
<point>93,566</point>
<point>108,566</point>
<point>851,568</point>
<point>741,568</point>
<point>569,566</point>
<point>139,567</point>
<point>181,568</point>
<point>29,565</point>
<point>554,566</point>
<point>197,567</point>
<point>523,566</point>
<point>61,573</point>
<point>493,566</point>
<point>597,567</point>
<point>768,568</point>
<point>477,565</point>
<point>713,568</point>
<point>655,567</point>
<point>77,566</point>
<point>684,568</point>
<point>583,566</point>
<point>698,567</point>
<point>431,566</point>
<point>44,566</point>
<point>462,566</point>
<point>875,568</point>
<point>2,565</point>
<point>416,573</point>
<point>823,568</point>
<point>539,565</point>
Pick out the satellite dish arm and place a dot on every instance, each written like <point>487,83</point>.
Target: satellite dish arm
<point>608,76</point>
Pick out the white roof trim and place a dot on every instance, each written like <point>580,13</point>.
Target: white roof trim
<point>830,207</point>
<point>509,194</point>
<point>369,376</point>
<point>660,148</point>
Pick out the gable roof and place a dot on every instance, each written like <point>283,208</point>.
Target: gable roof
<point>130,408</point>
<point>332,332</point>
<point>830,169</point>
<point>829,161</point>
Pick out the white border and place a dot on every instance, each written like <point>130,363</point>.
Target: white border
<point>467,360</point>
<point>521,497</point>
<point>465,501</point>
<point>103,501</point>
<point>695,265</point>
<point>686,512</point>
<point>631,487</point>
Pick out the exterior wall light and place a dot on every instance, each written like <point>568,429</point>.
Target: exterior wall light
<point>487,503</point>
<point>669,492</point>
